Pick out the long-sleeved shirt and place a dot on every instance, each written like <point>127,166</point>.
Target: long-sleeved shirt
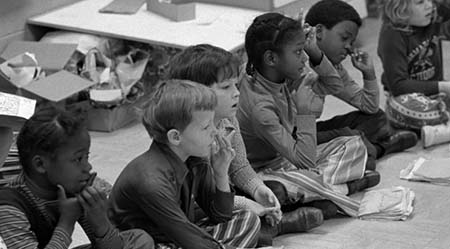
<point>156,192</point>
<point>412,60</point>
<point>241,173</point>
<point>273,132</point>
<point>365,98</point>
<point>15,227</point>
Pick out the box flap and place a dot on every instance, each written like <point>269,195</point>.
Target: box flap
<point>50,56</point>
<point>58,86</point>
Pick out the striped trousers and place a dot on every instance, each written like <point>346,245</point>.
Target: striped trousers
<point>241,231</point>
<point>341,160</point>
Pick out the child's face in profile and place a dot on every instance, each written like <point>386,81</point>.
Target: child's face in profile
<point>421,13</point>
<point>198,137</point>
<point>227,97</point>
<point>70,167</point>
<point>337,42</point>
<point>292,58</point>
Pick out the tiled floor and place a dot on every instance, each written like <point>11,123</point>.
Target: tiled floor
<point>428,227</point>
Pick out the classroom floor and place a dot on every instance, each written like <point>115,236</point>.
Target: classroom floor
<point>427,228</point>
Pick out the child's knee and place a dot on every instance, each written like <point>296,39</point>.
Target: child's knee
<point>279,190</point>
<point>137,239</point>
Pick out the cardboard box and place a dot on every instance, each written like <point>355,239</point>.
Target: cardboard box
<point>102,119</point>
<point>59,84</point>
<point>176,10</point>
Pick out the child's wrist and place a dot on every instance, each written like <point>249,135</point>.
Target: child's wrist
<point>369,75</point>
<point>315,56</point>
<point>67,225</point>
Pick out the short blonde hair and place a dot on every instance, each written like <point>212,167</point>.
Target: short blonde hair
<point>171,106</point>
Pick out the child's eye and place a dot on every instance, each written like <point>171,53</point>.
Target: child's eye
<point>81,158</point>
<point>298,52</point>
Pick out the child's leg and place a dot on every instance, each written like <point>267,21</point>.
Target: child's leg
<point>342,160</point>
<point>374,126</point>
<point>310,186</point>
<point>241,231</point>
<point>136,239</point>
<point>132,239</point>
<point>6,137</point>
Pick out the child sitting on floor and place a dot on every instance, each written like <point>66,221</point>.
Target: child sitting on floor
<point>40,207</point>
<point>337,24</point>
<point>279,126</point>
<point>187,162</point>
<point>218,69</point>
<point>409,47</point>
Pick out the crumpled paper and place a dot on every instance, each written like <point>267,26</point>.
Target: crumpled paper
<point>394,203</point>
<point>436,171</point>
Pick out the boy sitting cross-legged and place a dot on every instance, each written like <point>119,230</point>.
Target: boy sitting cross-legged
<point>187,162</point>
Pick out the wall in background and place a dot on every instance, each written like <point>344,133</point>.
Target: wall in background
<point>14,14</point>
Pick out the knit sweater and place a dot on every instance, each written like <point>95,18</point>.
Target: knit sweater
<point>241,172</point>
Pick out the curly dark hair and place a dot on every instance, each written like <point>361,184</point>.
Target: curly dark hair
<point>331,12</point>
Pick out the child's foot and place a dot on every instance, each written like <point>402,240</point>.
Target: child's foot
<point>370,179</point>
<point>328,208</point>
<point>300,220</point>
<point>399,141</point>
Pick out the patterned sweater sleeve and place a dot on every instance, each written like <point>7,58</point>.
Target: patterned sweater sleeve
<point>16,231</point>
<point>241,172</point>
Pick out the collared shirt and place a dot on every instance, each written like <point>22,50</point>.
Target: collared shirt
<point>156,192</point>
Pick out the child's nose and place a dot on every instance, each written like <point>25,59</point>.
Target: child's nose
<point>88,167</point>
<point>236,92</point>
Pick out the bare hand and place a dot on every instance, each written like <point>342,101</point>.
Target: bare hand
<point>363,62</point>
<point>94,203</point>
<point>69,208</point>
<point>222,154</point>
<point>265,197</point>
<point>304,95</point>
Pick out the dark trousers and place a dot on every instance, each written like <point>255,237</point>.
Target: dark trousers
<point>373,128</point>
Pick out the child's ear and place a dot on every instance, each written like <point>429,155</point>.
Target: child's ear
<point>319,31</point>
<point>270,58</point>
<point>174,137</point>
<point>38,163</point>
